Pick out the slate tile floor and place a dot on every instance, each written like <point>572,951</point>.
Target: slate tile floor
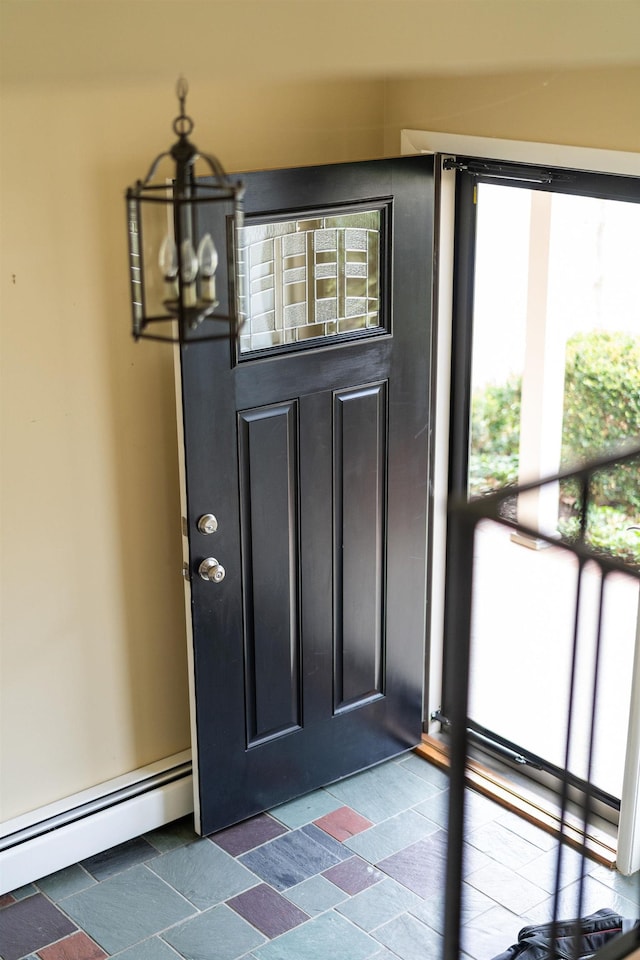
<point>352,872</point>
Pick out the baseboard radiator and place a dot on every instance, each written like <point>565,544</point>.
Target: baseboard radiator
<point>54,837</point>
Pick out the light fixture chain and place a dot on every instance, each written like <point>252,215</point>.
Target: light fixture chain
<point>182,125</point>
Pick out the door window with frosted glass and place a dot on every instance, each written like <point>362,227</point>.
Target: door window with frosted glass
<point>311,278</point>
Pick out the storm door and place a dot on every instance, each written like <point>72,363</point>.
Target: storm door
<point>546,340</point>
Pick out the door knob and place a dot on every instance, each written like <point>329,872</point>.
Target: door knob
<point>207,523</point>
<point>211,570</point>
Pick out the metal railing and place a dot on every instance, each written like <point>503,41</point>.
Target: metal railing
<point>464,517</point>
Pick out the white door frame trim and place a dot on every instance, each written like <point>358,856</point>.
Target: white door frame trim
<point>520,151</point>
<point>547,154</point>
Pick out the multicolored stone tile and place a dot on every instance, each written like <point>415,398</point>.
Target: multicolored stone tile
<point>391,835</point>
<point>66,882</point>
<point>203,873</point>
<point>173,835</point>
<point>315,895</point>
<point>267,910</point>
<point>290,859</point>
<point>353,875</point>
<point>421,867</point>
<point>30,924</point>
<point>120,858</point>
<point>379,904</point>
<point>343,823</point>
<point>216,934</point>
<point>328,935</point>
<point>353,872</point>
<point>296,813</point>
<point>127,908</point>
<point>409,938</point>
<point>382,792</point>
<point>76,947</point>
<point>247,835</point>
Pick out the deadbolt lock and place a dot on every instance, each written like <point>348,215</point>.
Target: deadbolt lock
<point>211,570</point>
<point>207,523</point>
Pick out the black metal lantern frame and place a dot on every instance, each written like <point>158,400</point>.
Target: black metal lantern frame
<point>173,256</point>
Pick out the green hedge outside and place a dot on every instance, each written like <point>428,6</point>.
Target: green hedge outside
<point>601,411</point>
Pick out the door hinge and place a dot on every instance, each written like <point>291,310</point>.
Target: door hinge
<point>186,572</point>
<point>438,717</point>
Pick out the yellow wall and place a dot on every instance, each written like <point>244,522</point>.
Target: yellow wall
<point>584,107</point>
<point>94,659</point>
<point>93,680</point>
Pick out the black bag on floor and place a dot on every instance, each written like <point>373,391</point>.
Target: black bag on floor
<point>588,934</point>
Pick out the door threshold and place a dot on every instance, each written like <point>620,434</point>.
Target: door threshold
<point>597,844</point>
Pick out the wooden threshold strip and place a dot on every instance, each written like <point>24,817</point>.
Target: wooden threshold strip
<point>495,787</point>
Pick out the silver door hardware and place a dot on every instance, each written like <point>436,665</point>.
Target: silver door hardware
<point>211,570</point>
<point>207,523</point>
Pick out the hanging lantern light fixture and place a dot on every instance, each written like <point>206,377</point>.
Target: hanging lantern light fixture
<point>178,228</point>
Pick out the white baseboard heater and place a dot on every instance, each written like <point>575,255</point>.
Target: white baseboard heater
<point>62,833</point>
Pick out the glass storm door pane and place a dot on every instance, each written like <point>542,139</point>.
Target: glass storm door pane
<point>524,615</point>
<point>312,277</point>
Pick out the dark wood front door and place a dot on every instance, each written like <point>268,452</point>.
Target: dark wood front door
<point>309,443</point>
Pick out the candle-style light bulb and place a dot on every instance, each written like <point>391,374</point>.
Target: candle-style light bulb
<point>208,262</point>
<point>188,273</point>
<point>168,260</point>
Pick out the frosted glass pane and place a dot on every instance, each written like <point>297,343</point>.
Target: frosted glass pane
<point>264,322</point>
<point>355,239</point>
<point>293,244</point>
<point>309,279</point>
<point>328,310</point>
<point>293,276</point>
<point>327,270</point>
<point>326,239</point>
<point>356,270</point>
